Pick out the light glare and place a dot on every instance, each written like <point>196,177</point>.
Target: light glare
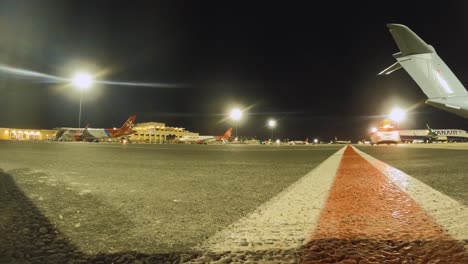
<point>82,80</point>
<point>397,114</point>
<point>272,123</point>
<point>236,114</point>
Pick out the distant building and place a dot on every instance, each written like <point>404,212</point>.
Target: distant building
<point>27,134</point>
<point>155,132</point>
<point>149,132</point>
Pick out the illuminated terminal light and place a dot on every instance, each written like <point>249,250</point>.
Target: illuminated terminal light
<point>315,140</point>
<point>14,131</point>
<point>6,131</point>
<point>374,129</point>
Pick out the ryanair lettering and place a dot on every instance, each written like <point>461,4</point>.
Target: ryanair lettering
<point>447,132</point>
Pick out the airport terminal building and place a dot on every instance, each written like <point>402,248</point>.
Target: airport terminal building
<point>27,134</point>
<point>149,132</point>
<point>155,132</point>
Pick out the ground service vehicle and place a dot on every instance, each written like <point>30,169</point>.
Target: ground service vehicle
<point>385,134</point>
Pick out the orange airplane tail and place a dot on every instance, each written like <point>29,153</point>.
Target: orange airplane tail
<point>227,134</point>
<point>128,125</point>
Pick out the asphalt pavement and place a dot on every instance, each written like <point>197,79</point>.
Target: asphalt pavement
<point>444,167</point>
<point>108,202</point>
<point>150,198</point>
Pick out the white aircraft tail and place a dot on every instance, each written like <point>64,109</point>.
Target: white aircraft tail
<point>423,64</point>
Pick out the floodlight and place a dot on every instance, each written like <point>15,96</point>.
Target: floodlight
<point>236,114</point>
<point>82,80</point>
<point>272,123</point>
<point>397,114</point>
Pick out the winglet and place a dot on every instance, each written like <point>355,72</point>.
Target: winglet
<point>407,41</point>
<point>392,68</point>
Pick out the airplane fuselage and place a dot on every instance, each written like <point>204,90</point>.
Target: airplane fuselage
<point>90,133</point>
<point>198,139</point>
<point>298,143</point>
<point>206,139</point>
<point>437,135</point>
<point>93,134</point>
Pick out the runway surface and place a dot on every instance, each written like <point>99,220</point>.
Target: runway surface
<point>231,203</point>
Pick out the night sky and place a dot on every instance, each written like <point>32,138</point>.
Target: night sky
<point>313,67</point>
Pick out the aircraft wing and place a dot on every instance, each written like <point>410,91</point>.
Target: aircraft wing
<point>428,70</point>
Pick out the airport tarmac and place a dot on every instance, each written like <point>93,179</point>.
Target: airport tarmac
<point>229,203</point>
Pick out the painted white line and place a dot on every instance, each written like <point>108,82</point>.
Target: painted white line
<point>445,211</point>
<point>284,221</point>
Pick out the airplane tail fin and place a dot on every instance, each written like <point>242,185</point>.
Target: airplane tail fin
<point>431,132</point>
<point>407,41</point>
<point>227,134</point>
<point>128,125</point>
<point>423,64</point>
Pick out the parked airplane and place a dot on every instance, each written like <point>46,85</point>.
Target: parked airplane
<point>430,135</point>
<point>342,142</point>
<point>95,134</point>
<point>206,139</point>
<point>422,63</point>
<point>305,142</point>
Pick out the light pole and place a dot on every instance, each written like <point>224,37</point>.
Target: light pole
<point>236,115</point>
<point>272,125</point>
<point>82,81</point>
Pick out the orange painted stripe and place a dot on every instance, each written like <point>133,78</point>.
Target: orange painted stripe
<point>368,219</point>
<point>364,204</point>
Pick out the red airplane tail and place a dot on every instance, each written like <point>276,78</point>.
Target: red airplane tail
<point>227,134</point>
<point>128,125</point>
